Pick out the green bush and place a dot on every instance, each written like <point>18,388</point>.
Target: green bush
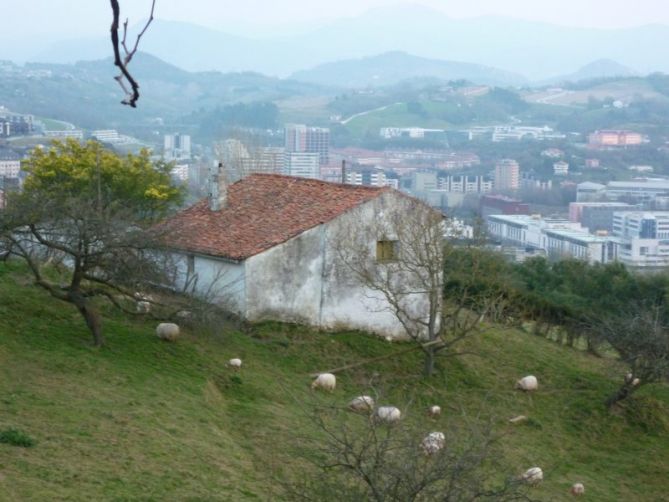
<point>16,438</point>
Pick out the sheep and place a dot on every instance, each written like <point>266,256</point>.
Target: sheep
<point>143,307</point>
<point>533,476</point>
<point>388,414</point>
<point>434,411</point>
<point>167,331</point>
<point>235,364</point>
<point>629,377</point>
<point>518,420</point>
<point>361,404</point>
<point>528,383</point>
<point>636,382</point>
<point>577,489</point>
<point>325,381</point>
<point>433,442</point>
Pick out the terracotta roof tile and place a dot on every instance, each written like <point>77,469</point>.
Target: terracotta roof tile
<point>263,210</point>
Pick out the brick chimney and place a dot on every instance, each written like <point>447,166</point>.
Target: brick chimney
<point>218,188</point>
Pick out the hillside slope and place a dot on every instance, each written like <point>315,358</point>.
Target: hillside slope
<point>393,67</point>
<point>143,419</point>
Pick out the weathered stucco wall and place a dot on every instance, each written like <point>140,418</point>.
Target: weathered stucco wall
<point>214,280</point>
<point>346,301</point>
<point>284,283</point>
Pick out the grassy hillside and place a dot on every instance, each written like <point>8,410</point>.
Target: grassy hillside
<point>147,420</point>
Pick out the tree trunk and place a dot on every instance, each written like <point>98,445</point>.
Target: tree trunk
<point>91,316</point>
<point>621,394</point>
<point>428,368</point>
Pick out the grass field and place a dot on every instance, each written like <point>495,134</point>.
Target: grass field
<point>143,419</point>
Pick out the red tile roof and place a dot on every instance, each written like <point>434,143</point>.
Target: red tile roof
<point>263,210</point>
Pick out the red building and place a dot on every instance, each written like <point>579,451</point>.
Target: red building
<point>500,204</point>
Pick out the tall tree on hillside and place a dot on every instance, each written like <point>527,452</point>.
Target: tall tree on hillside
<point>640,336</point>
<point>404,261</point>
<point>90,210</point>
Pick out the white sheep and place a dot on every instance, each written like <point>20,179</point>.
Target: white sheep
<point>235,364</point>
<point>533,476</point>
<point>434,411</point>
<point>629,377</point>
<point>577,489</point>
<point>388,414</point>
<point>528,383</point>
<point>636,382</point>
<point>325,381</point>
<point>143,307</point>
<point>167,331</point>
<point>433,442</point>
<point>362,404</point>
<point>518,420</point>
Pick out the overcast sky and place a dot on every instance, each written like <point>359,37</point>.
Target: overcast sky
<point>74,18</point>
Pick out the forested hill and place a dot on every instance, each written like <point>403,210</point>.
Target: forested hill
<point>87,95</point>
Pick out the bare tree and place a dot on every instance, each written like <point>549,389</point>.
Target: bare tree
<point>407,269</point>
<point>640,336</point>
<point>356,457</point>
<point>125,78</point>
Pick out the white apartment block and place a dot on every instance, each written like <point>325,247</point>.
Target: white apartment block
<point>561,168</point>
<point>302,164</point>
<point>177,147</point>
<point>557,237</point>
<point>65,134</point>
<point>641,238</point>
<point>10,168</point>
<point>374,178</point>
<point>643,190</point>
<point>466,184</point>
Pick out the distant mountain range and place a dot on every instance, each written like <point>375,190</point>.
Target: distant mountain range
<point>86,94</point>
<point>394,67</point>
<point>537,50</point>
<point>602,68</point>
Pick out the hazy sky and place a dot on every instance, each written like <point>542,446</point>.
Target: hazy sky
<point>88,17</point>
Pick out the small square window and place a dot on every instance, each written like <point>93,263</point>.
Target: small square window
<point>386,250</point>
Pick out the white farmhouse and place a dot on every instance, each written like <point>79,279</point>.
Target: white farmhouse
<point>266,247</point>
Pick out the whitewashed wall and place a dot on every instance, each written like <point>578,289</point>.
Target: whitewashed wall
<point>212,279</point>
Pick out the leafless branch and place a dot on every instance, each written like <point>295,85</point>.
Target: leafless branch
<point>132,95</point>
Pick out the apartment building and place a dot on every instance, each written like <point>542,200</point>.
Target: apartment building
<point>641,239</point>
<point>507,175</point>
<point>300,138</point>
<point>302,164</point>
<point>615,138</point>
<point>558,238</point>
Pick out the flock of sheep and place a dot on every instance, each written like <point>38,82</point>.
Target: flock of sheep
<point>432,443</point>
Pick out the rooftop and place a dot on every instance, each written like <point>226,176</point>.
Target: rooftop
<point>263,211</point>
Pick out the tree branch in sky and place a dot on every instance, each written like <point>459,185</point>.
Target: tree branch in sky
<point>124,78</point>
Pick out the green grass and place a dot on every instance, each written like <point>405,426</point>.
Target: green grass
<point>143,419</point>
<point>395,115</point>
